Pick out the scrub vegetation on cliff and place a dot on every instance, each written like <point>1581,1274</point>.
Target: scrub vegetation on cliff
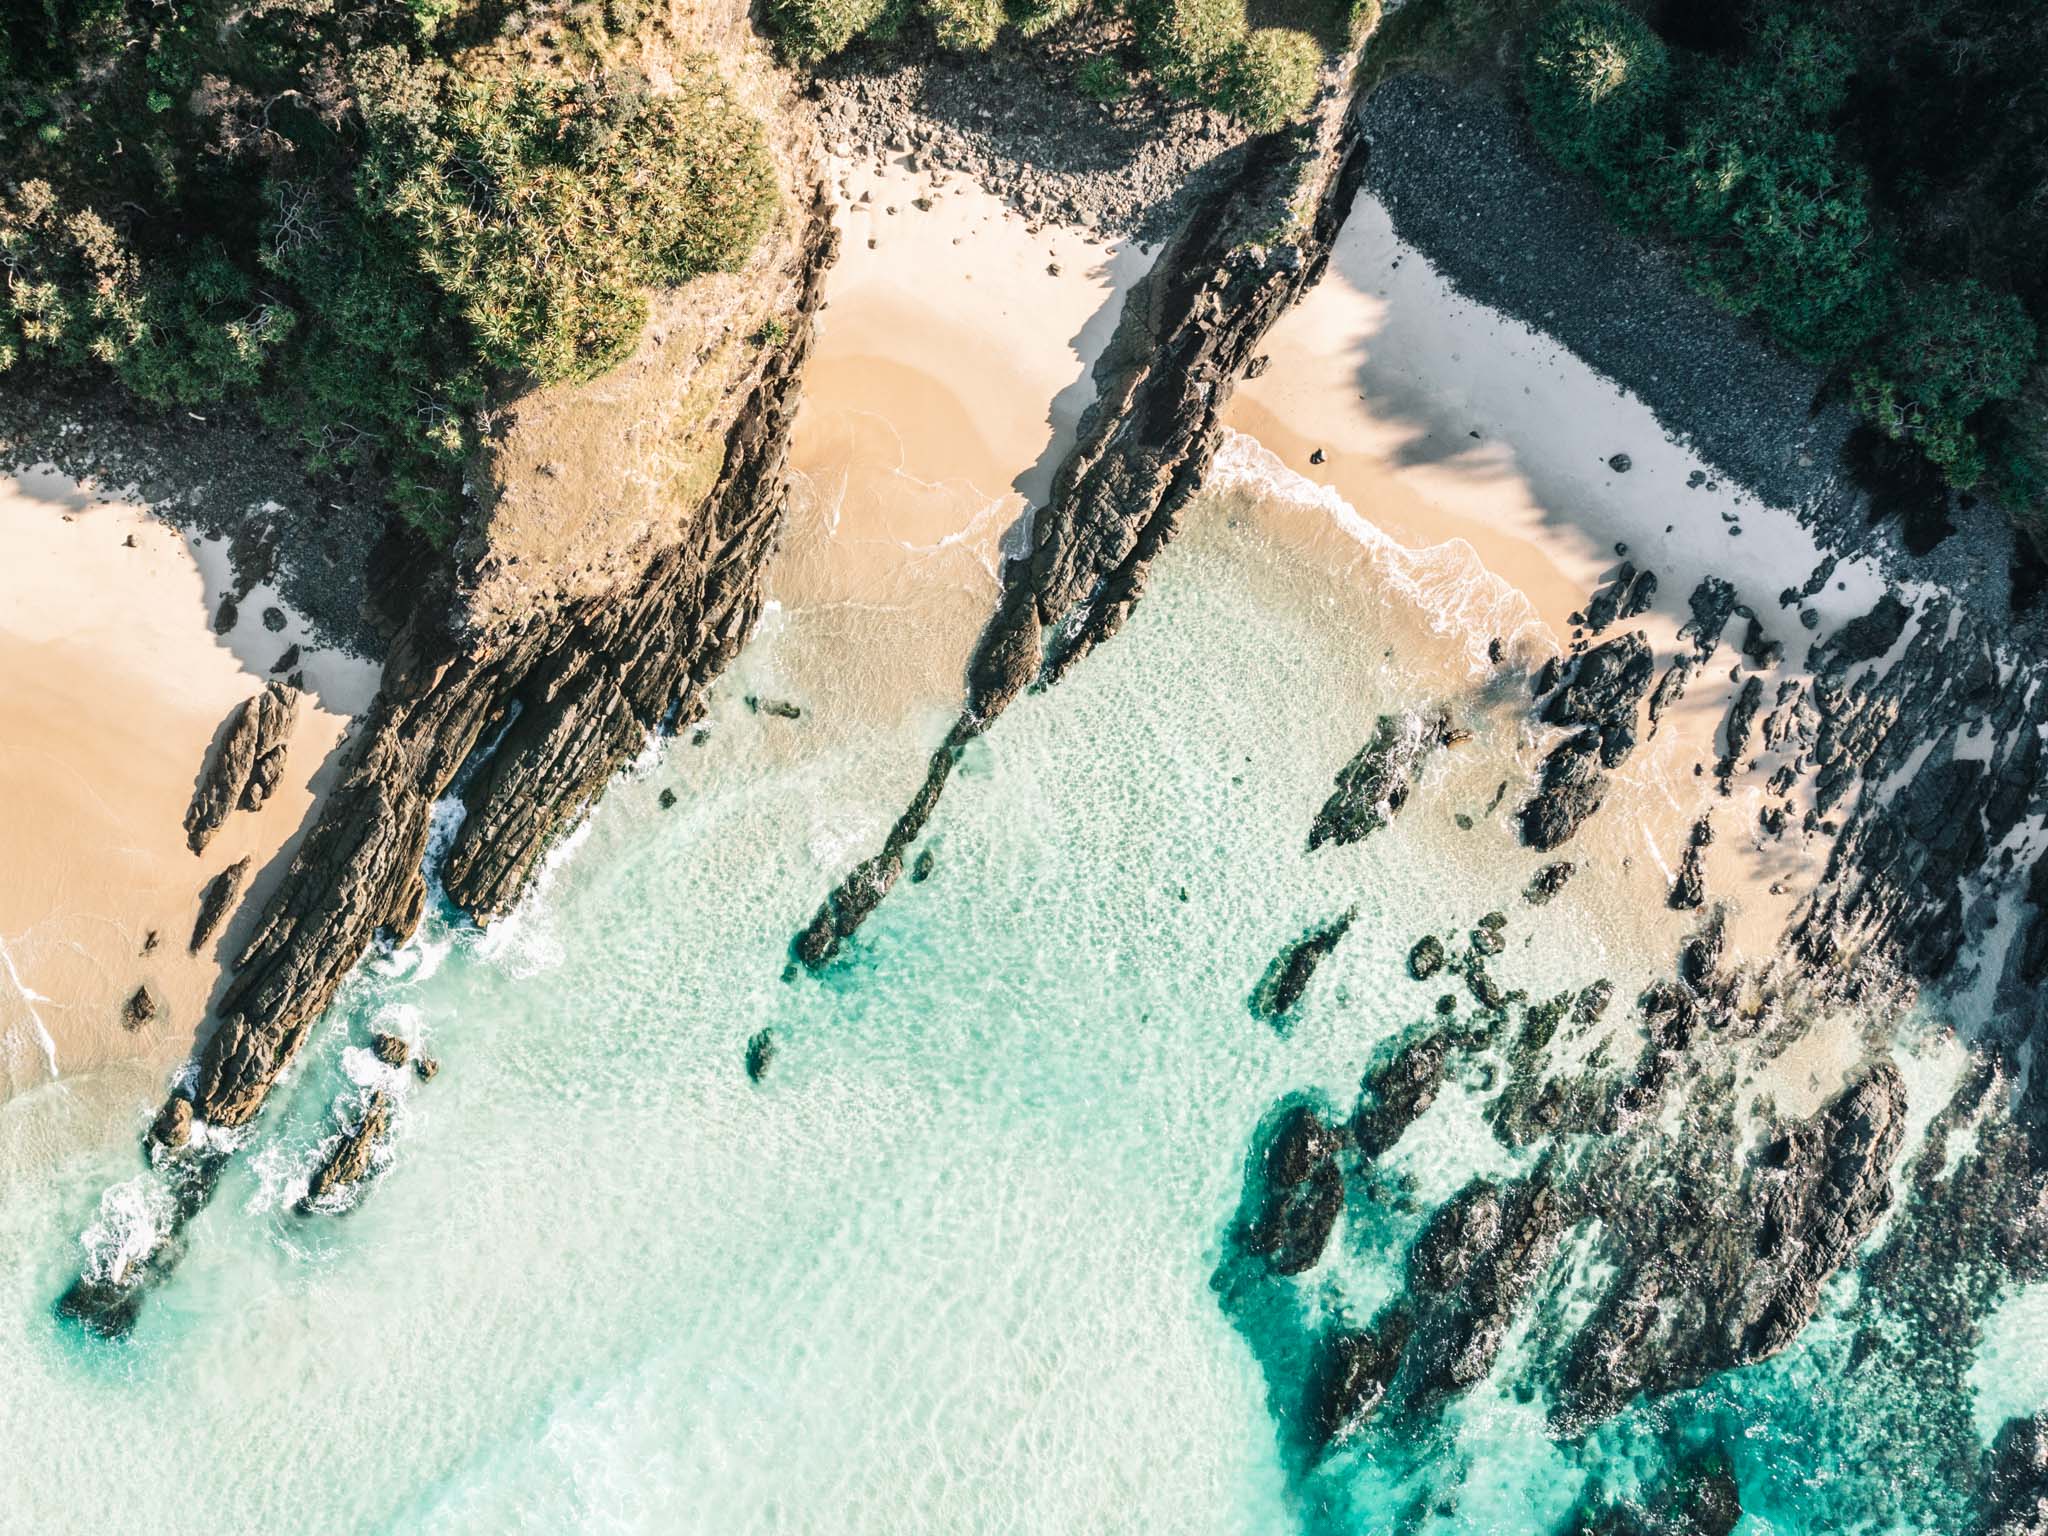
<point>365,222</point>
<point>1258,62</point>
<point>1869,181</point>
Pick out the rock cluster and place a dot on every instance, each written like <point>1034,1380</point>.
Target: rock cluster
<point>246,763</point>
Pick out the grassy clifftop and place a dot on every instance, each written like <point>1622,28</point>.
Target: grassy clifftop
<point>371,224</point>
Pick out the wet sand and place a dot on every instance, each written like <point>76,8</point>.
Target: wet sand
<point>112,687</point>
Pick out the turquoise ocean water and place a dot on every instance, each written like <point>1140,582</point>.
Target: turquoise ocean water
<point>954,1266</point>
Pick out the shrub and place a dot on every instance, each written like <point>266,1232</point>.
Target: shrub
<point>1595,79</point>
<point>75,295</point>
<point>1271,77</point>
<point>542,207</point>
<point>1952,349</point>
<point>967,26</point>
<point>1034,16</point>
<point>1187,43</point>
<point>813,29</point>
<point>1103,79</point>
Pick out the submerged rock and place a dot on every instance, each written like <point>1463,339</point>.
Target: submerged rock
<point>760,1054</point>
<point>217,900</point>
<point>781,709</point>
<point>1287,978</point>
<point>921,871</point>
<point>1304,1193</point>
<point>1547,882</point>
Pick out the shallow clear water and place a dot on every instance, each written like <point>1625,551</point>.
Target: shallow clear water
<point>954,1265</point>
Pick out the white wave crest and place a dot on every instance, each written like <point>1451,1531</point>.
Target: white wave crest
<point>1447,583</point>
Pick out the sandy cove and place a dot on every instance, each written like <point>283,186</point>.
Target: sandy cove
<point>113,684</point>
<point>953,362</point>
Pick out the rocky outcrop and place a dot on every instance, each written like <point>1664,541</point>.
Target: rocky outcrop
<point>1627,595</point>
<point>562,699</point>
<point>1303,1193</point>
<point>1598,692</point>
<point>1547,882</point>
<point>1376,783</point>
<point>349,1162</point>
<point>1287,978</point>
<point>1690,888</point>
<point>245,764</point>
<point>1713,605</point>
<point>217,900</point>
<point>1250,247</point>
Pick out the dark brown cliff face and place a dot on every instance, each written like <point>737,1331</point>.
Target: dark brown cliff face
<point>1187,333</point>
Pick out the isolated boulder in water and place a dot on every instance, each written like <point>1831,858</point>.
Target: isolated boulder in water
<point>1426,958</point>
<point>760,1054</point>
<point>1304,1193</point>
<point>1293,968</point>
<point>389,1049</point>
<point>1377,782</point>
<point>350,1160</point>
<point>173,1124</point>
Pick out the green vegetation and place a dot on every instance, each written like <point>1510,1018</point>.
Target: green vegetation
<point>408,211</point>
<point>1205,51</point>
<point>1839,172</point>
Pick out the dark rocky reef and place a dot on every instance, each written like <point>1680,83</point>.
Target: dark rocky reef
<point>1287,978</point>
<point>1376,783</point>
<point>1248,249</point>
<point>2017,1504</point>
<point>1707,1283</point>
<point>245,764</point>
